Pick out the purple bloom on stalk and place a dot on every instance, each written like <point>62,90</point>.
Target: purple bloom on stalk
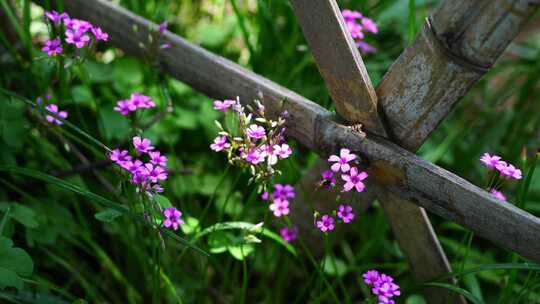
<point>78,38</point>
<point>140,177</point>
<point>155,173</point>
<point>342,161</point>
<point>345,213</point>
<point>142,145</point>
<point>255,131</point>
<point>77,25</point>
<point>220,143</point>
<point>365,48</point>
<point>354,180</point>
<point>282,151</point>
<point>224,105</point>
<point>253,156</point>
<point>119,156</point>
<point>172,218</point>
<point>132,166</point>
<point>280,207</point>
<point>351,15</point>
<point>490,161</point>
<point>283,191</point>
<point>100,34</point>
<point>55,17</point>
<point>288,234</point>
<point>328,179</point>
<point>142,101</point>
<point>124,107</point>
<point>326,223</point>
<point>162,27</point>
<point>498,195</point>
<point>54,109</point>
<point>370,277</point>
<point>265,195</point>
<point>157,159</point>
<point>369,25</point>
<point>510,171</point>
<point>52,47</point>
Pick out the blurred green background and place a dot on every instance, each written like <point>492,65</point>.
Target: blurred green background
<point>74,256</point>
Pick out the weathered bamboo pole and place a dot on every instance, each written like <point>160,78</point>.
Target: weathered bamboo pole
<point>345,75</point>
<point>398,170</point>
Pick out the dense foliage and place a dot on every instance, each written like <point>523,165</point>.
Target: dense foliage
<point>114,187</point>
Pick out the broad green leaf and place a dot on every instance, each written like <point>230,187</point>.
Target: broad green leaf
<point>14,264</point>
<point>334,266</point>
<point>21,214</point>
<point>415,299</point>
<point>98,72</point>
<point>114,125</point>
<point>127,72</point>
<point>107,215</point>
<point>190,226</point>
<point>163,201</point>
<point>82,94</point>
<point>9,278</point>
<point>240,252</point>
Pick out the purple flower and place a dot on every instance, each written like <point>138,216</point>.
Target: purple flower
<point>133,166</point>
<point>142,101</point>
<point>342,161</point>
<point>253,156</point>
<point>288,234</point>
<point>77,25</point>
<point>365,48</point>
<point>157,188</point>
<point>345,213</point>
<point>369,25</point>
<point>510,171</point>
<point>265,196</point>
<point>55,17</point>
<point>157,159</point>
<point>283,191</point>
<point>326,223</point>
<point>140,177</point>
<point>351,15</point>
<point>328,180</point>
<point>282,151</point>
<point>99,34</point>
<point>498,195</point>
<point>354,179</point>
<point>78,38</point>
<point>119,156</point>
<point>490,161</point>
<point>220,143</point>
<point>224,105</point>
<point>172,218</point>
<point>124,107</point>
<point>255,131</point>
<point>162,27</point>
<point>52,47</point>
<point>142,145</point>
<point>54,109</point>
<point>155,173</point>
<point>370,277</point>
<point>280,207</point>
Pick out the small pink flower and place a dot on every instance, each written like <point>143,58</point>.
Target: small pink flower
<point>265,196</point>
<point>345,213</point>
<point>124,107</point>
<point>370,277</point>
<point>52,47</point>
<point>328,180</point>
<point>142,101</point>
<point>157,159</point>
<point>54,109</point>
<point>155,173</point>
<point>326,223</point>
<point>280,207</point>
<point>140,177</point>
<point>77,25</point>
<point>79,39</point>
<point>132,166</point>
<point>354,179</point>
<point>142,145</point>
<point>224,105</point>
<point>99,34</point>
<point>119,156</point>
<point>511,171</point>
<point>253,156</point>
<point>351,15</point>
<point>255,131</point>
<point>365,48</point>
<point>172,218</point>
<point>55,17</point>
<point>369,25</point>
<point>220,143</point>
<point>490,161</point>
<point>283,191</point>
<point>342,161</point>
<point>498,195</point>
<point>289,234</point>
<point>282,151</point>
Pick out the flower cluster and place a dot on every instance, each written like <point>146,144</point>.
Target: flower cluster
<point>289,234</point>
<point>146,176</point>
<point>172,218</point>
<point>382,286</point>
<point>351,176</point>
<point>251,140</point>
<point>358,25</point>
<point>499,171</point>
<point>136,101</point>
<point>327,223</point>
<point>53,108</point>
<point>279,199</point>
<point>77,32</point>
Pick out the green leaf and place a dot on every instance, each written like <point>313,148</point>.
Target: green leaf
<point>190,226</point>
<point>334,266</point>
<point>83,95</point>
<point>98,72</point>
<point>21,214</point>
<point>127,72</point>
<point>241,251</point>
<point>415,299</point>
<point>219,241</point>
<point>107,215</point>
<point>14,263</point>
<point>458,290</point>
<point>162,201</point>
<point>114,125</point>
